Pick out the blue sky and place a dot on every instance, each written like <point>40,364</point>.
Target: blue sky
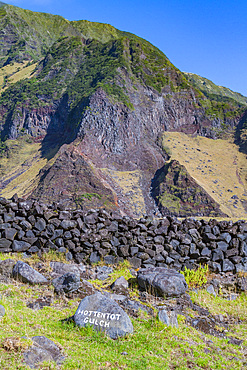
<point>205,37</point>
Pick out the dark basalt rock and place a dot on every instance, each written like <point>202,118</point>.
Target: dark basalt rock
<point>20,246</point>
<point>6,267</point>
<point>67,283</point>
<point>103,314</point>
<point>25,273</point>
<point>162,281</point>
<point>43,349</point>
<point>88,237</point>
<point>60,268</point>
<point>5,245</point>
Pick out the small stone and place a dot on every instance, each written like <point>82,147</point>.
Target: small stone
<point>5,245</point>
<point>68,224</point>
<point>121,282</point>
<point>25,225</point>
<point>10,233</point>
<point>69,256</point>
<point>103,272</point>
<point>135,262</point>
<point>227,265</point>
<point>40,224</point>
<point>168,318</point>
<point>210,290</point>
<point>2,311</point>
<point>94,257</point>
<point>62,268</point>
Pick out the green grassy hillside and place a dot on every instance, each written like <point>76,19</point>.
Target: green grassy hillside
<point>209,88</point>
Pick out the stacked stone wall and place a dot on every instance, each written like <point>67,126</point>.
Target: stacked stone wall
<point>33,228</point>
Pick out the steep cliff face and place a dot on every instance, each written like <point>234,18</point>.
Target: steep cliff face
<point>104,97</point>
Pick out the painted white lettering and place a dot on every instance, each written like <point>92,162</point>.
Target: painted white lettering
<point>101,322</point>
<point>86,320</point>
<point>91,321</point>
<point>90,312</point>
<point>86,313</point>
<point>118,316</point>
<point>96,322</point>
<point>103,315</point>
<point>113,316</point>
<point>107,324</point>
<point>108,314</point>
<point>95,313</point>
<point>99,314</point>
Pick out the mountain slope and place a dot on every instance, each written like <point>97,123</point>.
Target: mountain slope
<point>216,165</point>
<point>98,101</point>
<point>209,88</point>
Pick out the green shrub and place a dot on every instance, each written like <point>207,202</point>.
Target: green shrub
<point>196,278</point>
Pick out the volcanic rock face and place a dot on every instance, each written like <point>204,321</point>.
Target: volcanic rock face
<point>101,102</point>
<point>71,179</point>
<point>178,194</point>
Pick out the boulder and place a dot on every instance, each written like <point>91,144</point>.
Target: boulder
<point>162,281</point>
<point>103,314</point>
<point>6,267</point>
<point>61,268</point>
<point>43,349</point>
<point>25,273</point>
<point>67,283</point>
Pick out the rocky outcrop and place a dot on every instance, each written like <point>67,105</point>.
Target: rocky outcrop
<point>72,181</point>
<point>177,193</point>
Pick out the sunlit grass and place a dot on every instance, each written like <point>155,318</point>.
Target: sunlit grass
<point>152,345</point>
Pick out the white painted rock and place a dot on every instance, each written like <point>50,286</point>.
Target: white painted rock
<point>103,314</point>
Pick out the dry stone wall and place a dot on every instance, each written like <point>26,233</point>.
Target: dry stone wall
<point>32,227</point>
